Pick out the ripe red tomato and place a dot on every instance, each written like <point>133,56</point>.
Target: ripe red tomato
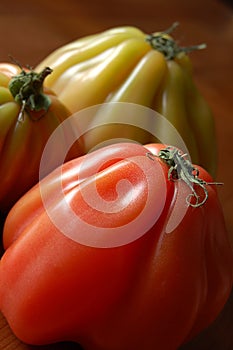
<point>111,251</point>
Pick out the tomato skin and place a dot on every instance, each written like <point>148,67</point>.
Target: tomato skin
<point>125,64</point>
<point>53,288</point>
<point>22,139</point>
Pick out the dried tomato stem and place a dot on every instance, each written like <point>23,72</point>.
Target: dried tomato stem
<point>164,43</point>
<point>180,168</point>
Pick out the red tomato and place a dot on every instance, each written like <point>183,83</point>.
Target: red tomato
<point>106,252</point>
<point>23,135</point>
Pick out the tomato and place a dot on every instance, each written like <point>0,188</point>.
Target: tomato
<point>28,116</point>
<point>115,250</point>
<point>124,64</point>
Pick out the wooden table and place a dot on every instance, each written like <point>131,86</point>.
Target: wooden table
<point>31,30</point>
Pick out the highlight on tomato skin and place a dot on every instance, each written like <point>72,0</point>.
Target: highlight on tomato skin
<point>127,293</point>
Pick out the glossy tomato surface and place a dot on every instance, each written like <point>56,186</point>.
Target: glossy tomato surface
<point>106,252</point>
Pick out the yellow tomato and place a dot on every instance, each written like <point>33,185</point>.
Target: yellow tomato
<point>124,64</point>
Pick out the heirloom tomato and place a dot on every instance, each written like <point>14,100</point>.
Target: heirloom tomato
<point>124,64</point>
<point>122,248</point>
<point>28,116</point>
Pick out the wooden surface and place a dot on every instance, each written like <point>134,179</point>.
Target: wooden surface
<point>31,30</point>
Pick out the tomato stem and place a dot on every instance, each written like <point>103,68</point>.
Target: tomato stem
<point>164,43</point>
<point>27,90</point>
<point>180,168</point>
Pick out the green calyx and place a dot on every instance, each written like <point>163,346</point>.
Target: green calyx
<point>27,90</point>
<point>165,44</point>
<point>181,169</point>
